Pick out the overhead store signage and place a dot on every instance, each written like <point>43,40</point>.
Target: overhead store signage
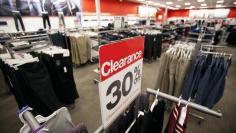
<point>120,73</point>
<point>209,13</point>
<point>145,11</point>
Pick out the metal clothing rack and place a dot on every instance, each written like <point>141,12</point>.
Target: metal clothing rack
<point>192,105</point>
<point>34,39</point>
<point>217,53</point>
<point>212,47</point>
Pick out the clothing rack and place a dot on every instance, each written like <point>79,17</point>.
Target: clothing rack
<point>213,47</point>
<point>192,105</point>
<point>184,102</point>
<point>217,53</point>
<point>39,37</point>
<point>28,117</point>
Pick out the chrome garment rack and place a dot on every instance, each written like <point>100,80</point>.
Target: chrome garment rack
<point>195,106</point>
<point>217,53</point>
<point>212,47</point>
<point>35,39</point>
<point>192,105</point>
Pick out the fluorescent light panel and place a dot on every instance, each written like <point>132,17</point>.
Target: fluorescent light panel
<point>204,4</point>
<point>220,1</point>
<point>200,0</point>
<point>150,2</point>
<point>169,3</point>
<point>187,4</point>
<point>178,6</point>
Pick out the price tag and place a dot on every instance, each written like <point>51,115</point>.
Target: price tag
<point>120,72</point>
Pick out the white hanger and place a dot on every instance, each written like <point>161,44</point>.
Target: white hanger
<point>155,101</point>
<point>140,113</point>
<point>188,102</point>
<point>52,50</point>
<point>18,58</point>
<point>22,62</point>
<point>179,102</point>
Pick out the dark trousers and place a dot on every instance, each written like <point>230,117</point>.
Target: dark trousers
<point>217,37</point>
<point>58,40</point>
<point>46,18</point>
<point>61,74</point>
<point>39,90</point>
<point>17,17</point>
<point>152,46</point>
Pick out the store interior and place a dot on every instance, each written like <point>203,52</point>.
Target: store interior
<point>62,62</point>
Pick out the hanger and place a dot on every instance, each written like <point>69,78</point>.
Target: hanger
<point>179,102</point>
<point>188,102</point>
<point>155,101</point>
<point>25,61</point>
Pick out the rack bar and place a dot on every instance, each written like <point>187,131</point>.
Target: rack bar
<point>184,102</point>
<point>31,121</point>
<point>225,54</point>
<point>99,130</point>
<point>28,39</point>
<point>213,46</point>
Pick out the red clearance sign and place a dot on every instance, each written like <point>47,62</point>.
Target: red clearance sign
<point>116,57</point>
<point>120,73</point>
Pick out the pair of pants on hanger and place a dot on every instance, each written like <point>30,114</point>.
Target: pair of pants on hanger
<point>17,17</point>
<point>46,18</point>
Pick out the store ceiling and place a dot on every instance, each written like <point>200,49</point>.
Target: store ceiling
<point>190,4</point>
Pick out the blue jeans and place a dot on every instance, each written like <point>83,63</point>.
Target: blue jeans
<point>192,78</point>
<point>217,91</point>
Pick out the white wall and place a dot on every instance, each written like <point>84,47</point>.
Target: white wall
<point>35,23</point>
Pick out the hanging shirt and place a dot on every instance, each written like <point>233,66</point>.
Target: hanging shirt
<point>173,118</point>
<point>152,121</point>
<point>182,120</point>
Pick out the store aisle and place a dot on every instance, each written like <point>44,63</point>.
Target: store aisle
<point>87,109</point>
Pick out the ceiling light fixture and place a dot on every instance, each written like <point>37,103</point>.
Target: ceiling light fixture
<point>219,5</point>
<point>150,2</point>
<point>204,4</point>
<point>200,0</point>
<point>178,6</point>
<point>169,7</point>
<point>220,1</point>
<point>169,3</point>
<point>203,7</point>
<point>158,4</point>
<point>187,4</point>
<point>235,2</point>
<point>192,7</point>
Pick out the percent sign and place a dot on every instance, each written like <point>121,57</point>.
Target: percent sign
<point>137,72</point>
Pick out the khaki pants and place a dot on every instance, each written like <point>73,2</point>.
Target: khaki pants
<point>83,48</point>
<point>74,51</point>
<point>163,76</point>
<point>80,49</point>
<point>172,73</point>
